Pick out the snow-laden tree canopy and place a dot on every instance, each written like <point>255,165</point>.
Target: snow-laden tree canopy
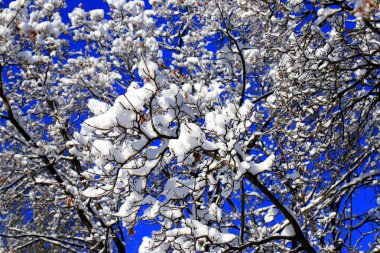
<point>232,125</point>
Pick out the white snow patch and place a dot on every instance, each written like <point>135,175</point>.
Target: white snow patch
<point>271,214</point>
<point>288,231</point>
<point>92,192</point>
<point>97,107</point>
<point>190,136</point>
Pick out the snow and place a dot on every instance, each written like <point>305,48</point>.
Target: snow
<point>48,28</point>
<point>48,7</point>
<point>254,168</point>
<point>168,96</point>
<point>4,32</point>
<point>92,192</point>
<point>152,44</point>
<point>200,230</point>
<point>77,17</point>
<point>215,212</point>
<point>28,57</point>
<point>251,55</point>
<point>242,169</point>
<point>271,214</point>
<point>190,137</point>
<point>176,188</point>
<point>97,107</point>
<point>193,228</point>
<point>123,112</point>
<point>41,180</point>
<point>130,205</point>
<point>143,170</point>
<point>15,5</point>
<point>192,61</point>
<point>147,245</point>
<point>148,69</point>
<point>216,122</point>
<point>96,15</point>
<point>153,211</point>
<point>102,147</point>
<point>288,231</point>
<point>257,168</point>
<point>295,2</point>
<point>327,11</point>
<point>74,151</point>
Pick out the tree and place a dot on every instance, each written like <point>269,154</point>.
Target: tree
<point>241,126</point>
